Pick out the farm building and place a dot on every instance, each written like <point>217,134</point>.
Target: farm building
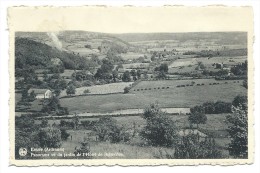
<point>41,93</point>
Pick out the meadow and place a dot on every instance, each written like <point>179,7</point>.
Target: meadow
<point>173,96</point>
<point>101,89</point>
<point>131,55</point>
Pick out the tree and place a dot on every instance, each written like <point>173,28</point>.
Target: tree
<point>105,71</point>
<point>99,48</point>
<point>238,131</point>
<point>126,76</point>
<point>25,94</point>
<point>86,91</point>
<point>71,89</point>
<point>240,101</point>
<point>108,130</point>
<point>50,137</point>
<point>32,96</point>
<point>133,73</point>
<point>83,149</point>
<point>161,75</point>
<point>145,75</point>
<point>87,46</point>
<point>162,68</point>
<point>64,134</point>
<point>138,73</point>
<point>197,116</point>
<point>45,76</point>
<point>75,121</point>
<point>25,128</point>
<point>191,147</point>
<point>245,83</point>
<point>57,92</point>
<point>52,106</point>
<point>62,84</point>
<point>115,75</point>
<point>126,90</point>
<point>160,129</point>
<point>44,123</point>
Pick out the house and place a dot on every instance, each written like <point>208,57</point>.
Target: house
<point>41,93</point>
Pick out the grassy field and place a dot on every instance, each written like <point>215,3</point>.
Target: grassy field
<point>184,62</point>
<point>223,59</point>
<point>172,97</point>
<point>135,65</point>
<point>131,55</point>
<point>127,150</point>
<point>189,64</point>
<point>101,89</point>
<point>182,69</point>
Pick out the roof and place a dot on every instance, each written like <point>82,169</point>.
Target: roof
<point>38,91</point>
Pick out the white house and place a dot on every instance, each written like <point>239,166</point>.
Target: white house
<point>41,93</point>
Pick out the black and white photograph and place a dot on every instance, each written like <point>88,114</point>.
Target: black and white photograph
<point>85,95</point>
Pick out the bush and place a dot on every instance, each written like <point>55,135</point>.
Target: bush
<point>222,107</point>
<point>64,134</point>
<point>240,101</point>
<point>160,130</point>
<point>83,149</point>
<point>44,123</point>
<point>88,124</point>
<point>87,83</point>
<point>191,147</point>
<point>71,89</point>
<point>218,107</point>
<point>86,91</point>
<point>197,115</point>
<point>245,83</point>
<point>238,131</point>
<point>67,124</point>
<point>107,129</point>
<point>49,137</point>
<point>126,90</point>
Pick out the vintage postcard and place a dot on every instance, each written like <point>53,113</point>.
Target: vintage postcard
<point>131,85</point>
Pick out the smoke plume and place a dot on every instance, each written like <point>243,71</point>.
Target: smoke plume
<point>55,40</point>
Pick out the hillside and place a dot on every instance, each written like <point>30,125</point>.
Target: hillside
<point>218,37</point>
<point>36,54</point>
<point>80,42</point>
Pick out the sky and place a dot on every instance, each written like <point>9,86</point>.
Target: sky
<point>132,19</point>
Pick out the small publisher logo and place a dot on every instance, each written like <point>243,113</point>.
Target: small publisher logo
<point>22,151</point>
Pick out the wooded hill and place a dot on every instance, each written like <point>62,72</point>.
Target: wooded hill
<point>40,55</point>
